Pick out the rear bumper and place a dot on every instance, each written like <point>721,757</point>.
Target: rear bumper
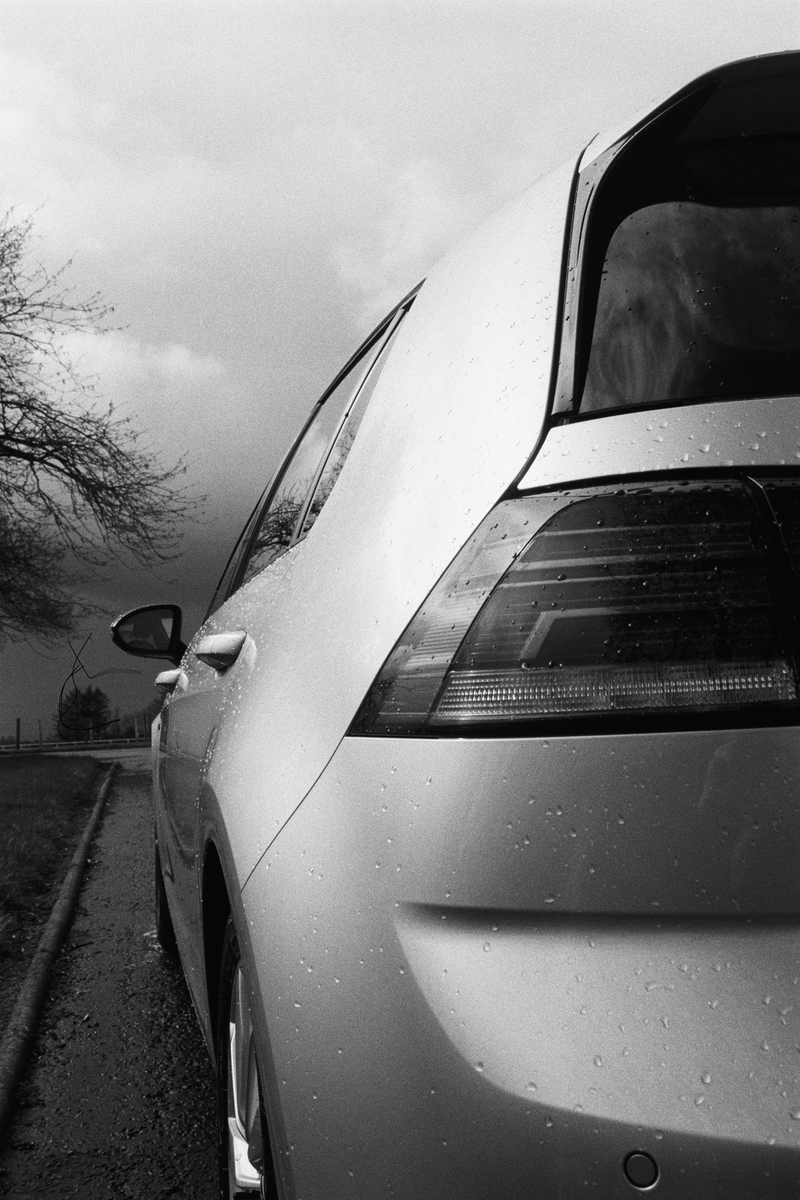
<point>497,968</point>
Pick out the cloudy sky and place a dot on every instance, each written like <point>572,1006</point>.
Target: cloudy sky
<point>252,184</point>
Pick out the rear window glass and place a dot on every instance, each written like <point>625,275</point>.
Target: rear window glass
<point>697,302</point>
<point>690,272</point>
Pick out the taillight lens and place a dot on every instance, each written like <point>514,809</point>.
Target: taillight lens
<point>628,600</point>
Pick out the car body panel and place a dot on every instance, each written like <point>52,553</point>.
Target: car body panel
<point>187,732</point>
<point>448,919</point>
<point>740,433</point>
<point>400,506</point>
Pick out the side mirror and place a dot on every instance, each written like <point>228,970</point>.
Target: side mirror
<point>153,631</point>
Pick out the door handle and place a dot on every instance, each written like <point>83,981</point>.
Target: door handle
<point>167,681</point>
<point>220,650</point>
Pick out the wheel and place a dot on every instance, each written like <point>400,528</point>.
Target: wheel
<point>165,932</point>
<point>245,1162</point>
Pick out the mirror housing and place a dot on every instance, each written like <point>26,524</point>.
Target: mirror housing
<point>153,631</point>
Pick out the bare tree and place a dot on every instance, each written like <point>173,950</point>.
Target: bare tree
<point>76,485</point>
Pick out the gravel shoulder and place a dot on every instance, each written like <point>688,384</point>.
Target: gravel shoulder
<point>119,1097</point>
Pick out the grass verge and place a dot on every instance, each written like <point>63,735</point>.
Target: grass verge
<point>44,802</point>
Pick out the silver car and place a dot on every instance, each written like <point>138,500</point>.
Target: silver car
<point>478,792</point>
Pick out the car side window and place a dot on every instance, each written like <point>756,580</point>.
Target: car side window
<point>226,584</point>
<point>346,433</point>
<point>280,523</point>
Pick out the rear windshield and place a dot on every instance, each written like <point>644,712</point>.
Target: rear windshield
<point>696,302</point>
<point>690,280</point>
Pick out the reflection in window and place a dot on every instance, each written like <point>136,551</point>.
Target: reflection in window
<point>275,533</point>
<point>278,527</point>
<point>697,301</point>
<point>227,582</point>
<point>346,436</point>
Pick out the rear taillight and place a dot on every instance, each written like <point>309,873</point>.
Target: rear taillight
<point>629,600</point>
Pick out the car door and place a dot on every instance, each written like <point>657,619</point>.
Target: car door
<point>184,725</point>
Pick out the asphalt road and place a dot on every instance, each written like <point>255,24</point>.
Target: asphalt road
<point>119,1097</point>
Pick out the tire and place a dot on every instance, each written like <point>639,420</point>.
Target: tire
<point>165,932</point>
<point>245,1161</point>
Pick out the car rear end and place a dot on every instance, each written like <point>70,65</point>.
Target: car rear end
<point>533,930</point>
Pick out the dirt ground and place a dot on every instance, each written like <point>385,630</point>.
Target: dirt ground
<point>119,1098</point>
